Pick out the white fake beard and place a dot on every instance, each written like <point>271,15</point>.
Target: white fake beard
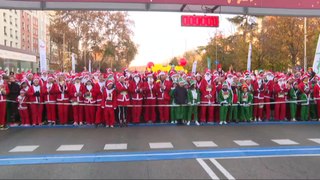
<point>136,79</point>
<point>207,77</point>
<point>96,77</point>
<point>269,78</point>
<point>89,87</point>
<point>150,80</point>
<point>230,80</point>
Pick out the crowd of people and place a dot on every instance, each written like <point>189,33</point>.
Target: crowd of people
<point>119,98</point>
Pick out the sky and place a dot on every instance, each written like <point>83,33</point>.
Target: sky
<point>160,37</point>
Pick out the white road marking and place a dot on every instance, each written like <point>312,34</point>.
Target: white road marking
<point>24,148</point>
<point>161,145</point>
<point>204,144</point>
<point>246,143</point>
<point>284,141</point>
<point>316,140</point>
<point>116,146</point>
<point>222,169</point>
<point>77,147</point>
<point>207,169</point>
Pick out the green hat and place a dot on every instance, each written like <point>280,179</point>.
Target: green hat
<point>192,82</point>
<point>225,83</point>
<point>181,80</point>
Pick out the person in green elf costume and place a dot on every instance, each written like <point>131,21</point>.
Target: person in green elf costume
<point>245,103</point>
<point>174,78</point>
<point>305,97</point>
<point>233,112</point>
<point>225,100</point>
<point>293,96</point>
<point>193,102</point>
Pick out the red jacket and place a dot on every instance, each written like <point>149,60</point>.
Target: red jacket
<point>258,91</point>
<point>280,92</point>
<point>268,93</point>
<point>63,92</point>
<point>136,90</point>
<point>208,91</point>
<point>74,92</point>
<point>32,90</point>
<point>163,94</point>
<point>50,92</point>
<point>22,105</point>
<point>90,96</point>
<point>123,97</point>
<point>109,99</point>
<point>149,91</point>
<point>316,91</point>
<point>99,89</point>
<point>3,97</point>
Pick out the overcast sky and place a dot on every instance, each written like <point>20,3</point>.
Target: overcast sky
<point>160,36</point>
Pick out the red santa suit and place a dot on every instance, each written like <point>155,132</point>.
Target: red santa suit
<point>23,109</point>
<point>208,93</point>
<point>149,92</point>
<point>35,96</point>
<point>90,100</point>
<point>99,88</point>
<point>77,91</point>
<point>4,90</point>
<point>109,104</point>
<point>163,89</point>
<point>63,97</point>
<point>123,100</point>
<point>280,91</point>
<point>268,93</point>
<point>50,91</point>
<point>258,97</point>
<point>136,92</point>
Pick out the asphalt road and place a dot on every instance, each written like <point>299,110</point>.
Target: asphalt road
<point>275,151</point>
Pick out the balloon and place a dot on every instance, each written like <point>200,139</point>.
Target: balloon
<point>183,62</point>
<point>150,64</point>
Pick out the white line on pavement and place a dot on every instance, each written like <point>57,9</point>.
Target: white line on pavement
<point>75,147</point>
<point>222,169</point>
<point>207,169</point>
<point>24,148</point>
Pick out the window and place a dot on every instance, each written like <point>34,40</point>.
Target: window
<point>4,17</point>
<point>16,22</point>
<point>15,11</point>
<point>5,42</point>
<point>11,33</point>
<point>16,45</point>
<point>10,19</point>
<point>5,30</point>
<point>10,43</point>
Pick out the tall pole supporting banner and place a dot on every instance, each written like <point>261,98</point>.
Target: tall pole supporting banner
<point>73,61</point>
<point>305,45</point>
<point>316,61</point>
<point>43,56</point>
<point>249,58</point>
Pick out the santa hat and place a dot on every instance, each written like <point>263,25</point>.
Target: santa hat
<point>150,74</point>
<point>120,75</point>
<point>2,73</point>
<point>198,74</point>
<point>219,66</point>
<point>208,71</point>
<point>36,77</point>
<point>173,73</point>
<point>244,86</point>
<point>22,91</point>
<point>161,73</point>
<point>19,77</point>
<point>109,82</point>
<point>77,76</point>
<point>50,76</point>
<point>28,73</point>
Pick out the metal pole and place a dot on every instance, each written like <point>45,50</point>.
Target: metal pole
<point>305,44</point>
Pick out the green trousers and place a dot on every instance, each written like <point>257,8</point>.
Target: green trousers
<point>180,112</point>
<point>245,113</point>
<point>223,113</point>
<point>304,112</point>
<point>233,113</point>
<point>250,113</point>
<point>172,113</point>
<point>313,111</point>
<point>293,110</point>
<point>192,110</point>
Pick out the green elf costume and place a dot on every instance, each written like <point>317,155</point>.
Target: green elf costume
<point>225,99</point>
<point>245,103</point>
<point>305,97</point>
<point>233,112</point>
<point>193,102</point>
<point>293,97</point>
<point>174,76</point>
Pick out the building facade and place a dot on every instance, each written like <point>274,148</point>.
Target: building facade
<point>20,32</point>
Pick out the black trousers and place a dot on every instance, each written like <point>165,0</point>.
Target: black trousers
<point>13,113</point>
<point>122,114</point>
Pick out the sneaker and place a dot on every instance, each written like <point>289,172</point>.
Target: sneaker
<point>27,125</point>
<point>294,119</point>
<point>172,122</point>
<point>259,120</point>
<point>75,124</point>
<point>197,123</point>
<point>188,123</point>
<point>111,126</point>
<point>225,122</point>
<point>33,124</point>
<point>80,123</point>
<point>107,126</point>
<point>221,123</point>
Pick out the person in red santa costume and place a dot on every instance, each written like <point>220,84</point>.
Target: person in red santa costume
<point>136,91</point>
<point>90,100</point>
<point>109,103</point>
<point>99,88</point>
<point>29,78</point>
<point>62,98</point>
<point>4,91</point>
<point>35,97</point>
<point>77,91</point>
<point>44,77</point>
<point>163,88</point>
<point>208,94</point>
<point>149,92</point>
<point>123,99</point>
<point>258,97</point>
<point>268,93</point>
<point>50,90</point>
<point>23,108</point>
<point>280,91</point>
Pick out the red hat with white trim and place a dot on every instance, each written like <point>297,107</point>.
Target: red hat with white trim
<point>109,82</point>
<point>36,77</point>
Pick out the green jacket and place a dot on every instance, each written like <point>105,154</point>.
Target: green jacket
<point>225,97</point>
<point>304,99</point>
<point>191,100</point>
<point>293,94</point>
<point>246,98</point>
